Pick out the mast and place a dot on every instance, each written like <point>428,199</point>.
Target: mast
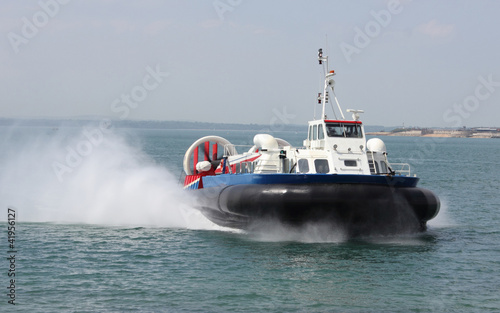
<point>329,85</point>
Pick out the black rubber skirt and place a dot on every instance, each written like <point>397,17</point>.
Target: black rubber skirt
<point>358,209</point>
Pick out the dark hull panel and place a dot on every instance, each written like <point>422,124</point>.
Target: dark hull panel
<point>358,209</point>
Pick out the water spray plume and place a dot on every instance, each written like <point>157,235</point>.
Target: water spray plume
<point>116,183</point>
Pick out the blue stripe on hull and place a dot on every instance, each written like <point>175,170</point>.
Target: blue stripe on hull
<point>251,179</point>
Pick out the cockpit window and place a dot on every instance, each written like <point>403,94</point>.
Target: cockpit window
<point>321,166</point>
<point>303,166</point>
<point>321,135</point>
<point>344,130</point>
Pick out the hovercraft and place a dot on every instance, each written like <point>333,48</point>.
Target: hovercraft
<point>337,177</point>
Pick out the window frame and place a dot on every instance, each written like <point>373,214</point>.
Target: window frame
<point>351,164</point>
<point>321,133</point>
<point>301,163</point>
<point>322,167</point>
<point>344,130</point>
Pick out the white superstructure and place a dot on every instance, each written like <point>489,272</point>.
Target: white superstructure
<point>332,146</point>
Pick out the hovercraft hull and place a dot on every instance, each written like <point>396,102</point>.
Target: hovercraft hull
<point>357,209</point>
<point>336,177</point>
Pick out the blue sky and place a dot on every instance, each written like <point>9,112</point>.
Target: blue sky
<point>421,63</point>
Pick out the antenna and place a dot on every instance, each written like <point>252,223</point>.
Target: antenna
<point>326,44</point>
<point>329,84</point>
<point>355,113</point>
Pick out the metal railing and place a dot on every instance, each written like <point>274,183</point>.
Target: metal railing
<point>262,166</point>
<point>401,168</point>
<point>230,149</point>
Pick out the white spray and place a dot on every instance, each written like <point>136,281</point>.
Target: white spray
<point>113,183</point>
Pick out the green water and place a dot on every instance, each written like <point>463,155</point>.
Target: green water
<point>116,235</point>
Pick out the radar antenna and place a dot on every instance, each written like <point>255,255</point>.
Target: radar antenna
<point>355,113</point>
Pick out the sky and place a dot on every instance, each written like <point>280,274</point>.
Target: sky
<point>413,63</point>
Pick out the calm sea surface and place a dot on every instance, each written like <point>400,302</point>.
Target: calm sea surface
<point>103,226</point>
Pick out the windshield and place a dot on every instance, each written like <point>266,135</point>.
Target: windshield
<point>343,130</point>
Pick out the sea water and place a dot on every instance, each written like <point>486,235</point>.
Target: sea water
<point>102,225</point>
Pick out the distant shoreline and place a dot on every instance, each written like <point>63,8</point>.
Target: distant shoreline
<point>479,132</point>
<point>440,134</point>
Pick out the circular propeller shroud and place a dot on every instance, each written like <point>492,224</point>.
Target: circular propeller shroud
<point>210,146</point>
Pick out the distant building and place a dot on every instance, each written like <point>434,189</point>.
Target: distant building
<point>485,129</point>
